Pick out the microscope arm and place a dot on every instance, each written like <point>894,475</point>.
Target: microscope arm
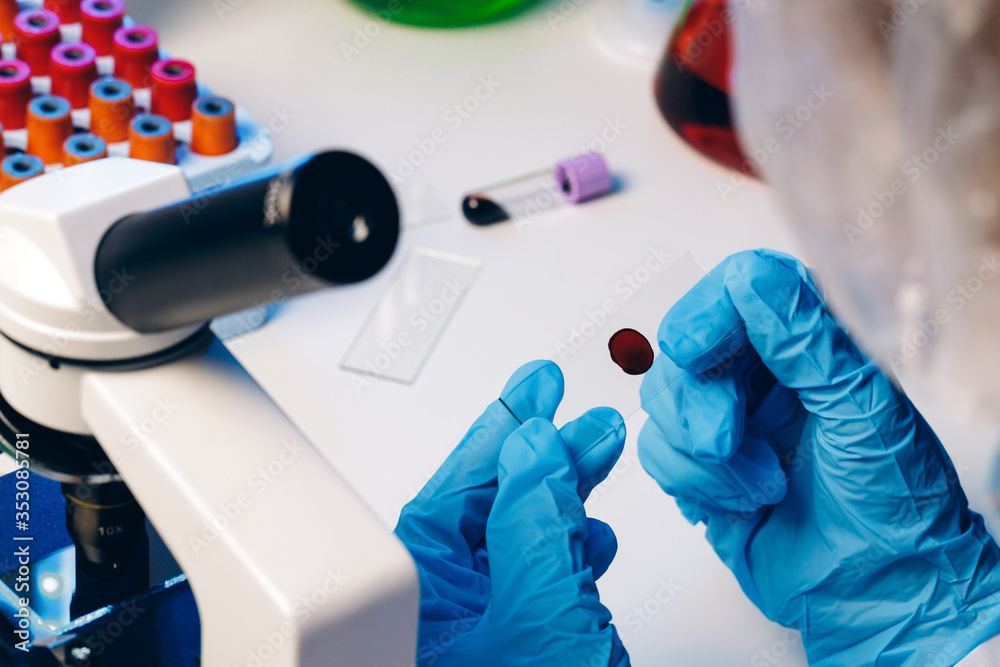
<point>281,554</point>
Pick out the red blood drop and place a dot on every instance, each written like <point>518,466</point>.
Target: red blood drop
<point>630,350</point>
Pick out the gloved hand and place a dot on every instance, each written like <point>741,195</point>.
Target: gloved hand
<point>508,559</point>
<point>821,486</point>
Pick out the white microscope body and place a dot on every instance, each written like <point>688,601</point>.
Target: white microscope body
<point>288,566</point>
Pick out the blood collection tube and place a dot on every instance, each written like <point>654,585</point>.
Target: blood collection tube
<point>68,10</point>
<point>15,93</point>
<point>18,168</point>
<point>100,19</point>
<point>36,31</point>
<point>74,68</point>
<point>213,126</point>
<point>111,109</point>
<point>136,49</point>
<point>49,124</point>
<point>8,10</point>
<point>152,138</point>
<point>83,147</point>
<point>174,89</point>
<point>574,180</point>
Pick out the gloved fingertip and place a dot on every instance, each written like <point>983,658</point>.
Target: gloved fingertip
<point>597,428</point>
<point>609,417</point>
<point>682,476</point>
<point>533,451</point>
<point>595,441</point>
<point>703,328</point>
<point>773,275</point>
<point>534,390</point>
<point>600,547</point>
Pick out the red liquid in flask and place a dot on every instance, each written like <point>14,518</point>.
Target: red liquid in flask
<point>692,85</point>
<point>631,351</point>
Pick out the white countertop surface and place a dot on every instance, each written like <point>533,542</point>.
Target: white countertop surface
<point>556,87</point>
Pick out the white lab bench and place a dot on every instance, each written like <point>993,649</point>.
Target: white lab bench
<point>553,88</point>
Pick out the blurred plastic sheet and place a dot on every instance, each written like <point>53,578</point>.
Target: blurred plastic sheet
<point>400,334</point>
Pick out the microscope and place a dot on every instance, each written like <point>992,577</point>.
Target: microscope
<point>198,512</point>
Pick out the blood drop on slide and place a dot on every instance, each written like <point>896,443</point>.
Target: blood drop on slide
<point>631,351</point>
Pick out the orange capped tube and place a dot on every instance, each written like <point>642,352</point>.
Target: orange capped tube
<point>36,31</point>
<point>100,19</point>
<point>137,47</point>
<point>83,147</point>
<point>18,168</point>
<point>68,10</point>
<point>174,89</point>
<point>49,125</point>
<point>111,109</point>
<point>15,93</point>
<point>213,126</point>
<point>8,10</point>
<point>152,138</point>
<point>74,68</point>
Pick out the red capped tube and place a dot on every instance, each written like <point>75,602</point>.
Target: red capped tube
<point>36,32</point>
<point>174,89</point>
<point>100,19</point>
<point>15,93</point>
<point>68,10</point>
<point>49,125</point>
<point>74,68</point>
<point>137,47</point>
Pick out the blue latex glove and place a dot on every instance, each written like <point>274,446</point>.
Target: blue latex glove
<point>508,559</point>
<point>825,492</point>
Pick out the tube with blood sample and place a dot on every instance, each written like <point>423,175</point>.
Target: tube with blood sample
<point>574,180</point>
<point>136,48</point>
<point>100,19</point>
<point>36,32</point>
<point>174,89</point>
<point>15,93</point>
<point>73,69</point>
<point>68,10</point>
